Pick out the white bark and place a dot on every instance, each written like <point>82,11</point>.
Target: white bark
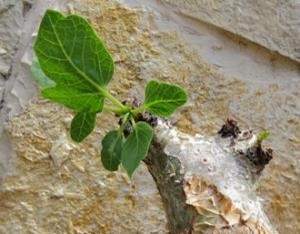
<point>206,184</point>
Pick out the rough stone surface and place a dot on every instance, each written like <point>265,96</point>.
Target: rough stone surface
<point>11,21</point>
<point>12,17</point>
<point>241,80</point>
<point>61,187</point>
<point>273,24</point>
<point>18,22</point>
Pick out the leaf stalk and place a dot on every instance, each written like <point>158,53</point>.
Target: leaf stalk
<point>114,101</point>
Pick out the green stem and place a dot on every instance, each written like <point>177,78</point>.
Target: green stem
<point>115,101</point>
<point>132,121</point>
<point>113,109</point>
<point>124,122</point>
<point>138,110</point>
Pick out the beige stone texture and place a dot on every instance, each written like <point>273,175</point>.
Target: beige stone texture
<point>273,24</point>
<point>57,186</point>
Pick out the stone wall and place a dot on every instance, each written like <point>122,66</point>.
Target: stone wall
<point>51,185</point>
<point>273,24</point>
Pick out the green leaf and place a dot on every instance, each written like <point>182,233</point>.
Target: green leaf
<point>262,136</point>
<point>163,99</point>
<point>112,145</point>
<point>136,146</point>
<point>39,76</point>
<point>82,125</point>
<point>71,54</point>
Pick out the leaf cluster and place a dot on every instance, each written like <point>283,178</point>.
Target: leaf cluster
<point>74,68</point>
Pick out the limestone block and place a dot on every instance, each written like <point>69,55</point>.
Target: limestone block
<point>273,24</point>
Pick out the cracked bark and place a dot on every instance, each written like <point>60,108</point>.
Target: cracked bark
<point>207,184</point>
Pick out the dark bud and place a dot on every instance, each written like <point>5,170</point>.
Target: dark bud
<point>153,121</point>
<point>125,102</point>
<point>148,118</point>
<point>259,156</point>
<point>120,121</point>
<point>229,129</point>
<point>127,130</point>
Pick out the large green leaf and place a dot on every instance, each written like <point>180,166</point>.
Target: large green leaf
<point>163,99</point>
<point>136,146</point>
<point>112,145</point>
<point>82,125</point>
<point>71,54</point>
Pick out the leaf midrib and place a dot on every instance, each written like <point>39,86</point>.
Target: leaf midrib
<point>168,101</point>
<point>82,124</point>
<point>99,88</point>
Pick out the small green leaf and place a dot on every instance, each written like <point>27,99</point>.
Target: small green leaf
<point>82,125</point>
<point>262,136</point>
<point>39,76</point>
<point>163,99</point>
<point>71,54</point>
<point>112,145</point>
<point>136,146</point>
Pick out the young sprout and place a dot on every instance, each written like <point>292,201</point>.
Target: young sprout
<point>263,136</point>
<point>74,68</point>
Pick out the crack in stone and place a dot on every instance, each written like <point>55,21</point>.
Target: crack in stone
<point>26,7</point>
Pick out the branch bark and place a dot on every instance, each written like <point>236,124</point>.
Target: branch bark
<point>207,184</point>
